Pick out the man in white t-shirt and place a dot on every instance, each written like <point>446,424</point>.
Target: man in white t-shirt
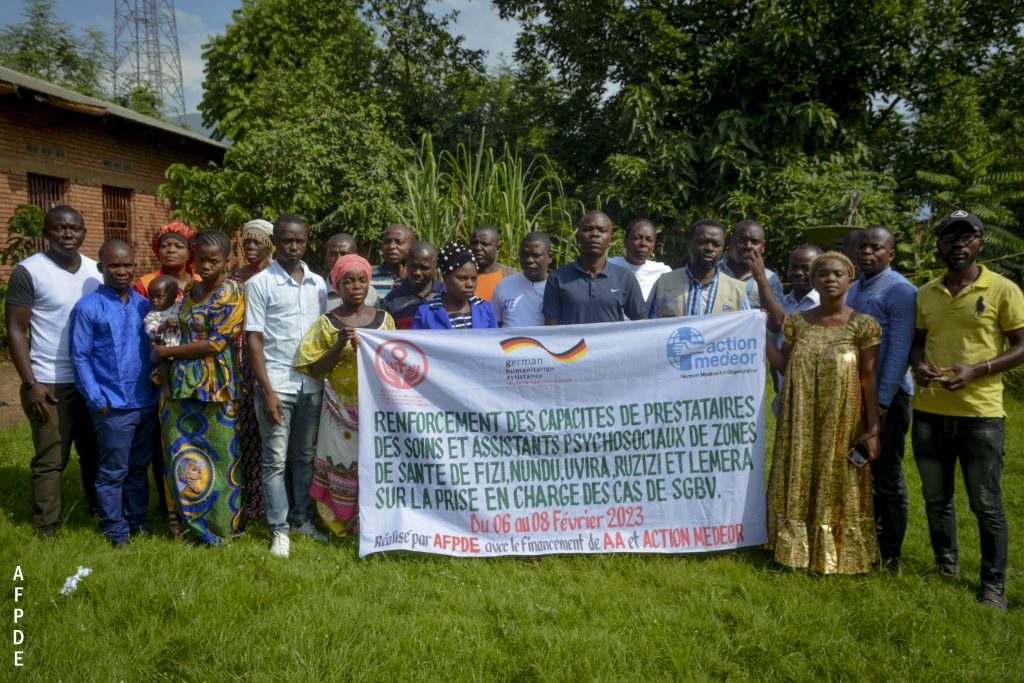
<point>518,299</point>
<point>641,236</point>
<point>41,292</point>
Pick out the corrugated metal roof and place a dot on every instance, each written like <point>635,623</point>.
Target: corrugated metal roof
<point>94,106</point>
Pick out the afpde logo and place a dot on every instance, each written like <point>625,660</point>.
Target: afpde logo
<point>686,350</point>
<point>401,364</point>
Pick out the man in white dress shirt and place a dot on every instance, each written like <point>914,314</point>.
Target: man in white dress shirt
<point>281,303</point>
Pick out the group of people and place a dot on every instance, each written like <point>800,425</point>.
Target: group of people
<point>240,386</point>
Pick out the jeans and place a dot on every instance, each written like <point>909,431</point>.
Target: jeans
<point>978,443</point>
<point>70,421</point>
<point>887,481</point>
<point>127,440</point>
<point>292,446</point>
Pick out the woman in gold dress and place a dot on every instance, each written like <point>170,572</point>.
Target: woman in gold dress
<point>820,513</point>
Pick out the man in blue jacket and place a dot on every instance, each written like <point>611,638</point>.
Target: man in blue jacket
<point>110,354</point>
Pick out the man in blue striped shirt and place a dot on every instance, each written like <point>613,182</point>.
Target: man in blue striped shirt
<point>890,299</point>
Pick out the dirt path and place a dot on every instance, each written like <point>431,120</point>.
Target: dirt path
<point>10,399</point>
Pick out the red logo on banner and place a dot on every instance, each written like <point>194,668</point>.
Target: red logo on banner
<point>400,364</point>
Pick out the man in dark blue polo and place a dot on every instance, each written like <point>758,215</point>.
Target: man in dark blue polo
<point>591,290</point>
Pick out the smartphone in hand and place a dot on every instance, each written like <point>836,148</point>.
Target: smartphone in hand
<point>858,455</point>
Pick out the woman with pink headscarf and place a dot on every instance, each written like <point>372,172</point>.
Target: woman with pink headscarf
<point>329,351</point>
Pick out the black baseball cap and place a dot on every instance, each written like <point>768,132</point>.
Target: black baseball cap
<point>958,218</point>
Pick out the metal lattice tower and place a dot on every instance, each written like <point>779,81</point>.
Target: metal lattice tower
<point>146,52</point>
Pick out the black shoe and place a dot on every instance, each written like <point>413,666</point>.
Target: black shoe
<point>121,545</point>
<point>891,566</point>
<point>947,573</point>
<point>993,599</point>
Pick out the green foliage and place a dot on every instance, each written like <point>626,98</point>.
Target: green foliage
<point>24,229</point>
<point>268,38</point>
<point>396,54</point>
<point>446,195</point>
<point>49,49</point>
<point>808,191</point>
<point>1013,382</point>
<point>424,71</point>
<point>143,99</point>
<point>328,157</point>
<point>707,107</point>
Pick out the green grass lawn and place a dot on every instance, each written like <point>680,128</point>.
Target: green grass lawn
<point>169,611</point>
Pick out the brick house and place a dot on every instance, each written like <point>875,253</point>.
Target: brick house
<point>60,147</point>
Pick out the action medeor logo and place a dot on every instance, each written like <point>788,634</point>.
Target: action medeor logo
<point>683,342</point>
<point>401,364</point>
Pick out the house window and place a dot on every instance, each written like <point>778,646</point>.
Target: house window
<point>117,213</point>
<point>46,192</point>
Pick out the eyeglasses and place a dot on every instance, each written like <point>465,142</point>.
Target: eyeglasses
<point>959,238</point>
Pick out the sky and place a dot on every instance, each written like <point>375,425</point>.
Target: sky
<point>196,19</point>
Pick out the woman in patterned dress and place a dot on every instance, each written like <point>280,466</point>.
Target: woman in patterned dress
<point>200,408</point>
<point>257,249</point>
<point>172,246</point>
<point>820,512</point>
<point>329,350</point>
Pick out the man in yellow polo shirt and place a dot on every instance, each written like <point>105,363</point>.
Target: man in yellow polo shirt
<point>970,329</point>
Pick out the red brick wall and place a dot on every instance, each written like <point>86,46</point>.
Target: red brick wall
<point>90,151</point>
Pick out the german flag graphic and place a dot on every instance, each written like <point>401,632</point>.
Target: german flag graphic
<point>578,350</point>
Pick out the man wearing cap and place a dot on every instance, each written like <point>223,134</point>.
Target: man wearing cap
<point>965,318</point>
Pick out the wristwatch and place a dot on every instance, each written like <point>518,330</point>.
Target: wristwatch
<point>26,385</point>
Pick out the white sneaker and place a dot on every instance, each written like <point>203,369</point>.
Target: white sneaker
<point>280,545</point>
<point>307,529</point>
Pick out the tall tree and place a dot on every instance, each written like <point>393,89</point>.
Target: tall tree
<point>271,36</point>
<point>425,69</point>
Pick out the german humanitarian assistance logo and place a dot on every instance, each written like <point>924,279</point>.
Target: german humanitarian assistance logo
<point>401,364</point>
<point>577,351</point>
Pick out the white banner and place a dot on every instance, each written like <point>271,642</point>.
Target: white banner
<point>623,437</point>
